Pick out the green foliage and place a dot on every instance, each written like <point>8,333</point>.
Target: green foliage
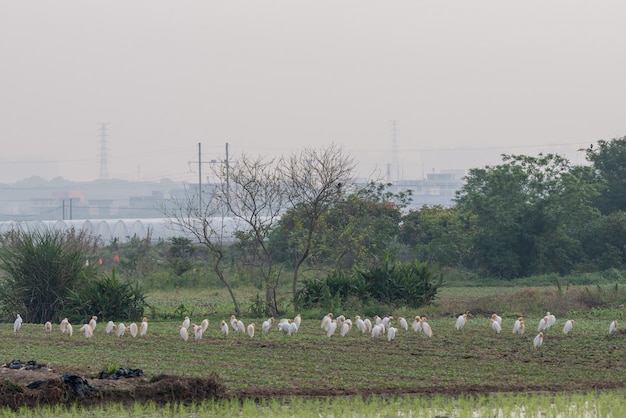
<point>609,163</point>
<point>108,298</point>
<point>259,308</point>
<point>412,284</point>
<point>42,268</point>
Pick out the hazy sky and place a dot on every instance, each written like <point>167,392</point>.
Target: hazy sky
<point>471,78</point>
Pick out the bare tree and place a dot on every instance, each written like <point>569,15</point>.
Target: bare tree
<point>314,179</point>
<point>252,190</point>
<point>208,224</point>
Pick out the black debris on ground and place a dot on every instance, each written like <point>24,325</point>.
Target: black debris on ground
<point>79,385</point>
<point>121,373</point>
<point>30,365</point>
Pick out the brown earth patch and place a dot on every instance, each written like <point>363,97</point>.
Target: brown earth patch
<point>14,391</point>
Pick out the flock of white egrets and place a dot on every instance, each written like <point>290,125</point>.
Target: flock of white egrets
<point>377,327</point>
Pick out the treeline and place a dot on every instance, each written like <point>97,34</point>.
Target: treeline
<point>300,222</point>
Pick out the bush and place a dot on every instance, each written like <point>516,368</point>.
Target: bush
<point>414,284</point>
<point>108,298</point>
<point>42,268</point>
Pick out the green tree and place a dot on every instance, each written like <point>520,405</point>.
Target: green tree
<point>609,161</point>
<point>314,181</point>
<point>42,267</point>
<point>437,235</point>
<point>524,214</point>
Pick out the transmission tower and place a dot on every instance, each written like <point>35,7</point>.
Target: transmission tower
<point>394,149</point>
<point>104,169</point>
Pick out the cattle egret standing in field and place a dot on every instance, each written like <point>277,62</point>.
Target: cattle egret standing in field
<point>267,324</point>
<point>426,328</point>
<point>205,325</point>
<point>518,327</point>
<point>121,329</point>
<point>368,325</point>
<point>184,334</point>
<point>551,320</point>
<point>391,333</point>
<point>233,322</point>
<point>538,340</point>
<point>378,330</point>
<point>345,328</point>
<point>87,330</point>
<point>543,324</point>
<point>497,318</point>
<point>251,330</point>
<point>143,328</point>
<point>133,329</point>
<point>197,332</point>
<point>331,328</point>
<point>110,326</point>
<point>63,325</point>
<point>404,325</point>
<point>297,320</point>
<point>70,329</point>
<point>613,327</point>
<point>17,324</point>
<point>387,322</point>
<point>326,321</point>
<point>224,328</point>
<point>460,321</point>
<point>93,322</point>
<point>495,326</point>
<point>569,324</point>
<point>48,328</point>
<point>417,324</point>
<point>241,327</point>
<point>186,322</point>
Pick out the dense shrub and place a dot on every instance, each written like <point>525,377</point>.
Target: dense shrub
<point>108,298</point>
<point>42,267</point>
<point>412,284</point>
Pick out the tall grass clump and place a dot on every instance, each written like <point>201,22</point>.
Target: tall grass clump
<point>41,268</point>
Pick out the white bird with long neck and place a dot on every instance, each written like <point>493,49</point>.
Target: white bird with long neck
<point>417,324</point>
<point>224,328</point>
<point>569,325</point>
<point>120,330</point>
<point>326,321</point>
<point>183,332</point>
<point>404,325</point>
<point>428,331</point>
<point>331,328</point>
<point>17,324</point>
<point>110,327</point>
<point>613,327</point>
<point>186,322</point>
<point>518,326</point>
<point>495,325</point>
<point>133,329</point>
<point>87,330</point>
<point>143,328</point>
<point>48,328</point>
<point>267,324</point>
<point>205,325</point>
<point>93,322</point>
<point>251,330</point>
<point>391,333</point>
<point>460,322</point>
<point>538,340</point>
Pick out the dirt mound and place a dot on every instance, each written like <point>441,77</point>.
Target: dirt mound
<point>44,386</point>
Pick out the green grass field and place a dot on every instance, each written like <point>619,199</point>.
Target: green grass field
<point>455,363</point>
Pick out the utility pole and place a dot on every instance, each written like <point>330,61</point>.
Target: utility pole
<point>200,177</point>
<point>104,169</point>
<point>394,148</point>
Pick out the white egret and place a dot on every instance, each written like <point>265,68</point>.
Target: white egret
<point>251,330</point>
<point>569,324</point>
<point>538,340</point>
<point>391,333</point>
<point>460,321</point>
<point>17,324</point>
<point>143,328</point>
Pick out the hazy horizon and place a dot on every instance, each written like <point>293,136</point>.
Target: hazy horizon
<point>465,81</point>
